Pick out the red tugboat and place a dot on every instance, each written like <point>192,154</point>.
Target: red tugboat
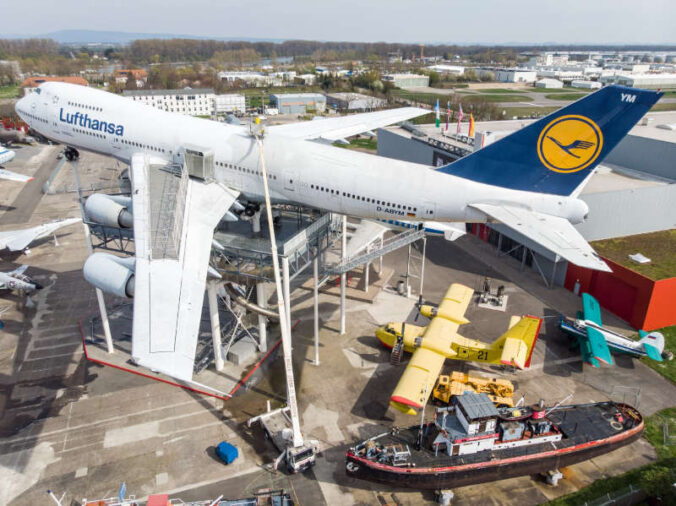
<point>472,442</point>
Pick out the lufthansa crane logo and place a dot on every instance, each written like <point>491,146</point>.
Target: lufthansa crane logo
<point>569,144</point>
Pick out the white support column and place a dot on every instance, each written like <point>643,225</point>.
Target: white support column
<point>343,276</point>
<point>380,259</point>
<point>99,294</point>
<point>367,268</point>
<point>262,300</point>
<point>315,268</point>
<point>256,222</point>
<point>422,266</point>
<point>408,272</point>
<point>287,291</point>
<point>212,294</point>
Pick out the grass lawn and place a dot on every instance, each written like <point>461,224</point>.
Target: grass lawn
<point>663,107</point>
<point>9,91</point>
<point>666,368</point>
<point>658,246</point>
<point>655,479</point>
<point>528,112</point>
<point>565,96</point>
<point>505,97</point>
<point>498,90</point>
<point>560,90</point>
<point>362,143</point>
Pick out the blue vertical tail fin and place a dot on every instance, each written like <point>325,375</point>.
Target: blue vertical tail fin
<point>556,153</point>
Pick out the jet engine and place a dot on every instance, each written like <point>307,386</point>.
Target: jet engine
<point>114,275</point>
<point>110,210</point>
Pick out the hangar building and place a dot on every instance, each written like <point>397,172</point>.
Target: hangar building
<point>298,103</point>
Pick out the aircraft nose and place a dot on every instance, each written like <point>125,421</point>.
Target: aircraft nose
<point>21,105</point>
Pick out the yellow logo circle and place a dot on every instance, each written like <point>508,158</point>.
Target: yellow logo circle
<point>569,143</point>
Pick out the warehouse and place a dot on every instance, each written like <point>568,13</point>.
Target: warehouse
<point>194,102</point>
<point>515,75</point>
<point>586,85</point>
<point>230,103</point>
<point>354,102</point>
<point>631,193</point>
<point>548,83</point>
<point>298,103</point>
<point>407,80</point>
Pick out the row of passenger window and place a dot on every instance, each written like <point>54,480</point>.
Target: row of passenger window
<point>85,106</point>
<point>33,116</point>
<point>243,169</point>
<point>89,132</point>
<point>143,146</point>
<point>365,199</point>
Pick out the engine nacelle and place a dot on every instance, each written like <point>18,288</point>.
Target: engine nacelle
<point>110,210</point>
<point>114,275</point>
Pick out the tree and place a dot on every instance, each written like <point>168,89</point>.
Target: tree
<point>435,78</point>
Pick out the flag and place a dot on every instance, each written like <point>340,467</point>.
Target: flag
<point>460,116</point>
<point>436,108</point>
<point>448,114</point>
<point>123,492</point>
<point>471,125</point>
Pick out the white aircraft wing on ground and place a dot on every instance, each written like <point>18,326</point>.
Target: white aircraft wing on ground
<point>16,240</point>
<point>333,129</point>
<point>169,287</point>
<point>553,233</point>
<point>14,176</point>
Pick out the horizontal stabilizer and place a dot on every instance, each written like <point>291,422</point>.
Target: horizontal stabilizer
<point>551,232</point>
<point>652,352</point>
<point>519,342</point>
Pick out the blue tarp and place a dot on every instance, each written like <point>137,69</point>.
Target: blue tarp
<point>226,452</point>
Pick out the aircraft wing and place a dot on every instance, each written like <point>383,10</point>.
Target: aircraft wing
<point>520,342</point>
<point>333,129</point>
<point>455,303</point>
<point>366,232</point>
<point>598,347</point>
<point>170,282</point>
<point>17,240</point>
<point>417,382</point>
<point>591,308</point>
<point>554,233</point>
<point>14,176</point>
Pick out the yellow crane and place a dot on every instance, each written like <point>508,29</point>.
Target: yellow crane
<point>500,391</point>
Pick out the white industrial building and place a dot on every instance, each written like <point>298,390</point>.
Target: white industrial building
<point>307,79</point>
<point>251,78</point>
<point>586,85</point>
<point>298,103</point>
<point>407,80</point>
<point>194,102</point>
<point>514,75</point>
<point>230,103</point>
<point>354,102</point>
<point>440,68</point>
<point>646,81</point>
<point>548,83</point>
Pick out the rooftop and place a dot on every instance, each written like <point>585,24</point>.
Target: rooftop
<point>658,246</point>
<point>477,405</point>
<point>182,91</point>
<point>35,81</point>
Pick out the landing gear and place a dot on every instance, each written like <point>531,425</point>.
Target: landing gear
<point>251,209</point>
<point>71,154</point>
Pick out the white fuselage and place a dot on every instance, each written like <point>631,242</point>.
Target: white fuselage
<point>300,171</point>
<point>6,155</point>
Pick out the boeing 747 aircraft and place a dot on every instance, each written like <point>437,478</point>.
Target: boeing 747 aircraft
<point>529,180</point>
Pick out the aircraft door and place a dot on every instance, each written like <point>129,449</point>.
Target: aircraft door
<point>291,180</point>
<point>429,211</point>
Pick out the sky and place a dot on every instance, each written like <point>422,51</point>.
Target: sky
<point>441,21</point>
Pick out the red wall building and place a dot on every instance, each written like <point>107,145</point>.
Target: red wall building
<point>644,303</point>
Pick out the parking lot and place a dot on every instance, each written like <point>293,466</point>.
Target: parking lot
<point>73,426</point>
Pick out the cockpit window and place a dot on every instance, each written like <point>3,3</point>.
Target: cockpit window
<point>38,90</point>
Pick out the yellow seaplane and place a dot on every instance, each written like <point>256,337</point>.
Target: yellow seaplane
<point>432,345</point>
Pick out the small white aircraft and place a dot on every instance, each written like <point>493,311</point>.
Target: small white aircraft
<point>17,280</point>
<point>7,155</point>
<point>17,240</point>
<point>529,181</point>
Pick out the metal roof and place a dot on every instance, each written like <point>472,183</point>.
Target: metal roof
<point>476,405</point>
<point>182,91</point>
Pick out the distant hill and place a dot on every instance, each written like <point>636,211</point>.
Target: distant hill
<point>111,37</point>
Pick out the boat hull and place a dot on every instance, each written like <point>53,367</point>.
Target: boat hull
<point>437,478</point>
